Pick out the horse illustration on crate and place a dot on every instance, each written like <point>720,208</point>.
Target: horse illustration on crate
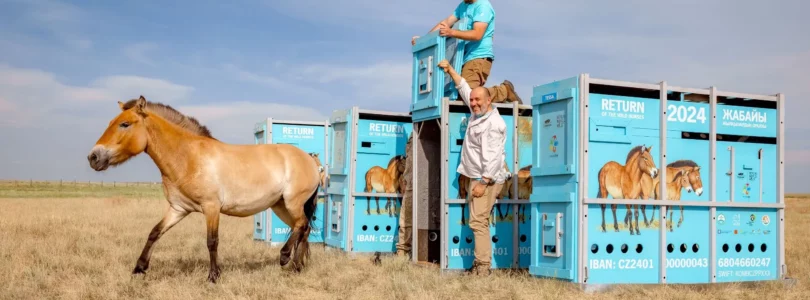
<point>524,179</point>
<point>385,181</point>
<point>625,182</point>
<point>691,171</point>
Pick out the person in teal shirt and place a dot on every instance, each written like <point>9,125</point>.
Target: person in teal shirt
<point>478,31</point>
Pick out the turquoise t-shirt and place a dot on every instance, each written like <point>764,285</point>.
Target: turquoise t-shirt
<point>480,11</point>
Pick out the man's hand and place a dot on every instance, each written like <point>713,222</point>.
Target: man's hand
<point>446,31</point>
<point>444,65</point>
<point>478,189</point>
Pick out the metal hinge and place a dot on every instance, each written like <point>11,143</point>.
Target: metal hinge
<point>586,274</point>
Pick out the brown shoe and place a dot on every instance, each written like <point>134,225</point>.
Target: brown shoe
<point>511,95</point>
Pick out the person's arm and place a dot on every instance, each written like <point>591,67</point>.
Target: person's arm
<point>463,88</point>
<point>492,143</point>
<point>449,22</point>
<point>474,35</point>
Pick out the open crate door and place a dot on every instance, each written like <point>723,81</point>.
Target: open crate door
<point>339,179</point>
<point>260,136</point>
<point>430,83</point>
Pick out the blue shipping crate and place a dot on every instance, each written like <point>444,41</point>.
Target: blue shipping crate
<point>441,214</point>
<point>596,212</point>
<point>368,149</point>
<point>312,137</point>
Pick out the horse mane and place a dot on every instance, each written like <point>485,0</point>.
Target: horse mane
<point>682,163</point>
<point>633,152</point>
<point>526,168</point>
<point>172,115</point>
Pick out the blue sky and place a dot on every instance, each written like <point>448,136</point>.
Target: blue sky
<point>63,65</point>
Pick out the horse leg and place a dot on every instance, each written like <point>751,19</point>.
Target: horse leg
<point>603,217</point>
<point>211,212</point>
<point>299,240</point>
<point>635,209</point>
<point>644,213</point>
<point>377,199</point>
<point>680,220</point>
<point>171,218</point>
<point>463,212</point>
<point>615,223</point>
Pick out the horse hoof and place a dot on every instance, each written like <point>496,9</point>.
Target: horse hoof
<point>284,260</point>
<point>213,275</point>
<point>139,270</point>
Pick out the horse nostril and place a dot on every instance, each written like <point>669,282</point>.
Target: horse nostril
<point>93,157</point>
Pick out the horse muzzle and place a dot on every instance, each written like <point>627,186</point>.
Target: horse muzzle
<point>99,158</point>
<point>699,191</point>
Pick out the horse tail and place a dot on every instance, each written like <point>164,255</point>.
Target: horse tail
<point>602,193</point>
<point>310,206</point>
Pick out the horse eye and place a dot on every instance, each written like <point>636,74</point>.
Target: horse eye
<point>124,125</point>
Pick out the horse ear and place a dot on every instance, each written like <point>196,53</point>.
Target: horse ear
<point>121,105</point>
<point>697,168</point>
<point>140,106</point>
<point>649,148</point>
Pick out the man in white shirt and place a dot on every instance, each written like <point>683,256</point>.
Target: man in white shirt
<point>482,160</point>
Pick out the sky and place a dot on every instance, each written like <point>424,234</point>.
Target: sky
<point>64,65</point>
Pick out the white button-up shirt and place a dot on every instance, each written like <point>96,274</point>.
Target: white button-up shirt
<point>483,153</point>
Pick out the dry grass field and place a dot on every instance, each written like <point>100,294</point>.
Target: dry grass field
<point>81,242</point>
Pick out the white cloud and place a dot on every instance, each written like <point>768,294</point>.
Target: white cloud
<point>37,110</point>
<point>36,98</point>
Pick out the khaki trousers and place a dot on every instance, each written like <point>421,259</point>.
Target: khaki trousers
<point>405,212</point>
<point>480,209</point>
<point>476,72</point>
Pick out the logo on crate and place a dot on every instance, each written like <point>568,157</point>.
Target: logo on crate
<point>752,176</point>
<point>746,190</point>
<point>766,232</point>
<point>552,145</point>
<point>766,220</point>
<point>736,220</point>
<point>560,120</point>
<point>753,219</point>
<point>721,219</point>
<point>741,175</point>
<point>723,231</point>
<point>547,123</point>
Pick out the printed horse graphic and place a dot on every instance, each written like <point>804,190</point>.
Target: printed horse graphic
<point>625,182</point>
<point>524,190</point>
<point>384,181</point>
<point>692,173</point>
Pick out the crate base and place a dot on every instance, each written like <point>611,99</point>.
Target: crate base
<point>602,288</point>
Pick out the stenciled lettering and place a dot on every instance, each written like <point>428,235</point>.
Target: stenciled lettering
<point>298,131</point>
<point>626,109</point>
<point>387,128</point>
<point>745,119</point>
<point>623,106</point>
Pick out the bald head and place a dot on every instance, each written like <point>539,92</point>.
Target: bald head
<point>481,92</point>
<point>480,100</point>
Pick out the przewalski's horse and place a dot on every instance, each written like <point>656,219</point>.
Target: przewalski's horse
<point>625,182</point>
<point>322,172</point>
<point>693,183</point>
<point>524,189</point>
<point>463,189</point>
<point>202,174</point>
<point>384,181</point>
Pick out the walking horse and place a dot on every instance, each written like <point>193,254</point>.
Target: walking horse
<point>203,174</point>
<point>625,182</point>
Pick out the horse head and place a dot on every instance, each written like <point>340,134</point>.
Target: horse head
<point>683,176</point>
<point>646,162</point>
<point>124,138</point>
<point>694,180</point>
